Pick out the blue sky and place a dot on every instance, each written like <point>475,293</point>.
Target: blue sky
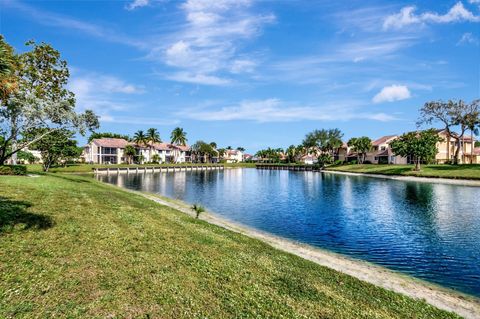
<point>257,73</point>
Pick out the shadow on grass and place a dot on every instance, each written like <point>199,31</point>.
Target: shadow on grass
<point>14,212</point>
<point>74,179</point>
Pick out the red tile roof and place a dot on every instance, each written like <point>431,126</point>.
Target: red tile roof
<point>111,142</point>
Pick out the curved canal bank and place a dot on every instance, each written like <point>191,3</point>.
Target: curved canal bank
<point>461,304</point>
<point>419,179</point>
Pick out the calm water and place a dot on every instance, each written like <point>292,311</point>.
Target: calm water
<point>431,231</point>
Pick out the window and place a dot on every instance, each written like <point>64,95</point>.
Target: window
<point>383,148</point>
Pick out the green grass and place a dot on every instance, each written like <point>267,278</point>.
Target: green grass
<point>467,171</point>
<point>71,247</point>
<point>87,168</point>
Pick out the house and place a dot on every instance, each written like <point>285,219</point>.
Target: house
<point>111,151</point>
<point>447,148</point>
<point>233,156</point>
<point>309,159</point>
<point>382,153</point>
<point>105,151</point>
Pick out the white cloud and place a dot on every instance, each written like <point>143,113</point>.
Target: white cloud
<point>137,4</point>
<point>66,22</point>
<point>468,38</point>
<point>275,110</point>
<point>194,78</point>
<point>392,93</point>
<point>137,120</point>
<point>101,93</point>
<point>209,42</point>
<point>407,17</point>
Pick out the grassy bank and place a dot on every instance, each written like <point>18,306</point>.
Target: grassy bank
<point>73,247</point>
<point>87,168</point>
<point>438,171</point>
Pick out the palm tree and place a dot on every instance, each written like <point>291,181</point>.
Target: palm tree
<point>214,145</point>
<point>241,149</point>
<point>140,139</point>
<point>129,152</point>
<point>153,137</point>
<point>178,137</point>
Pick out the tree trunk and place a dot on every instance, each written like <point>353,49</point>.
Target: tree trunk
<point>457,152</point>
<point>417,164</point>
<point>471,146</point>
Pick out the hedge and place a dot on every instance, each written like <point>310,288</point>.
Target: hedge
<point>13,170</point>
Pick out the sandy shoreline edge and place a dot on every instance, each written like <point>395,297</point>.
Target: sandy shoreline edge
<point>442,298</point>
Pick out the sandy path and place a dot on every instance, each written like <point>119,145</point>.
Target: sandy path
<point>466,306</point>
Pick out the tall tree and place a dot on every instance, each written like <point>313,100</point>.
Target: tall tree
<point>323,141</point>
<point>472,120</point>
<point>451,114</point>
<point>203,151</point>
<point>153,137</point>
<point>241,149</point>
<point>140,138</point>
<point>41,102</point>
<point>418,146</point>
<point>130,153</point>
<point>55,147</point>
<point>178,138</point>
<point>361,145</point>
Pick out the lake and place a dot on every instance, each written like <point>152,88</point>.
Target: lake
<point>430,231</point>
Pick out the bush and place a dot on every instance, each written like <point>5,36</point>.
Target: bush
<point>338,162</point>
<point>354,162</point>
<point>13,170</point>
<point>368,162</point>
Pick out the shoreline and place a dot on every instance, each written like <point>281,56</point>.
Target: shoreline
<point>443,298</point>
<point>433,180</point>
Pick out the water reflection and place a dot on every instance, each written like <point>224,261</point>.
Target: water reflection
<point>431,231</point>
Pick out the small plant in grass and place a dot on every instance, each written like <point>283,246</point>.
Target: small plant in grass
<point>198,209</point>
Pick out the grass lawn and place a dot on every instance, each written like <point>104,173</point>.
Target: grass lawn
<point>73,247</point>
<point>466,171</point>
<point>87,168</point>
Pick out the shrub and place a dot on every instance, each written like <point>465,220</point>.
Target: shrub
<point>368,162</point>
<point>198,209</point>
<point>338,162</point>
<point>13,170</point>
<point>354,162</point>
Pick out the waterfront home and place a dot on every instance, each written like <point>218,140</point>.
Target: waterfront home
<point>309,159</point>
<point>105,151</point>
<point>233,156</point>
<point>382,153</point>
<point>111,151</point>
<point>447,148</point>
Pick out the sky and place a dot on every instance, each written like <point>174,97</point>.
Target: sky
<point>257,74</point>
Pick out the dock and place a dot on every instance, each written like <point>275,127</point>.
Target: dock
<point>286,167</point>
<point>154,169</point>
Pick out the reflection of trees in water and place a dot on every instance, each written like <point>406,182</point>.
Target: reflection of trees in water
<point>420,194</point>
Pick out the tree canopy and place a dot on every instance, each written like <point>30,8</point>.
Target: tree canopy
<point>361,146</point>
<point>418,146</point>
<point>96,135</point>
<point>40,102</point>
<point>453,113</point>
<point>56,147</point>
<point>178,136</point>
